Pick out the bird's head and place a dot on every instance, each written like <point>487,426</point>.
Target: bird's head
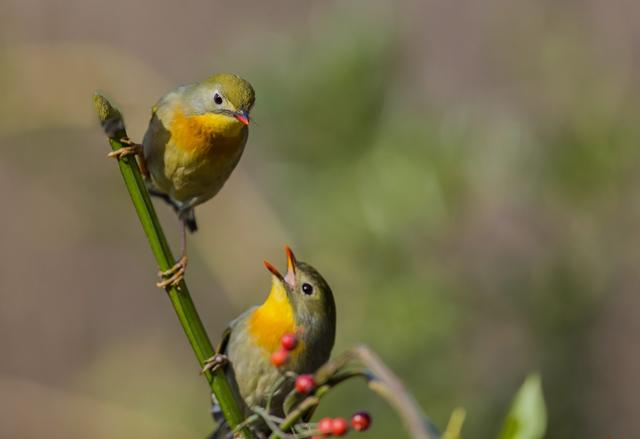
<point>308,293</point>
<point>225,94</point>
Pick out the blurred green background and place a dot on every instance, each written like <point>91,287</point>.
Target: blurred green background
<point>465,174</point>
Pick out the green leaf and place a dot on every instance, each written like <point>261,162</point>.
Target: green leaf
<point>527,418</point>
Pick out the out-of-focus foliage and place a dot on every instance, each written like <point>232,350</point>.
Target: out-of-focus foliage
<point>527,417</point>
<point>465,175</point>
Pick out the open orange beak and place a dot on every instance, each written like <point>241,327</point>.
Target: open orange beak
<point>273,270</point>
<point>290,277</point>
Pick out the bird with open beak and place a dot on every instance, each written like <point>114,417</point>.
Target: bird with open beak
<point>300,302</point>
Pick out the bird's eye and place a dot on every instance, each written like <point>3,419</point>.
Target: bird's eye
<point>217,99</point>
<point>307,288</point>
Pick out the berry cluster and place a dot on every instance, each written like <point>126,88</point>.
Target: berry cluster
<point>288,342</point>
<point>339,426</point>
<point>305,385</point>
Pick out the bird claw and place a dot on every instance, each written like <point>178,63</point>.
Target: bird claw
<point>125,151</point>
<point>175,274</point>
<point>215,362</point>
<point>131,148</point>
<point>134,149</point>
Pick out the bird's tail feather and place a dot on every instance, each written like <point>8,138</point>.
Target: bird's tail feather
<point>216,410</point>
<point>222,430</point>
<point>188,216</point>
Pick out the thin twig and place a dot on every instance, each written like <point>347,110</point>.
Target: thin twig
<point>386,384</point>
<point>380,380</point>
<point>310,402</point>
<point>275,389</point>
<point>272,425</point>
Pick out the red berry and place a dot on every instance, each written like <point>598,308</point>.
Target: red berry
<point>339,426</point>
<point>361,421</point>
<point>289,341</point>
<point>279,357</point>
<point>305,384</point>
<point>325,426</point>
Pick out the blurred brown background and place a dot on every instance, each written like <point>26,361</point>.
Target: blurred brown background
<point>465,174</point>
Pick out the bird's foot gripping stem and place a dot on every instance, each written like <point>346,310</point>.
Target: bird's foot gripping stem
<point>134,149</point>
<point>215,362</point>
<point>174,275</point>
<point>131,148</point>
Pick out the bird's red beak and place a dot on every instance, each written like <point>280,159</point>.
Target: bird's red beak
<point>290,277</point>
<point>242,116</point>
<point>273,270</point>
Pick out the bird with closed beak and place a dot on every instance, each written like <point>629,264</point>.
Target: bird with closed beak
<point>196,136</point>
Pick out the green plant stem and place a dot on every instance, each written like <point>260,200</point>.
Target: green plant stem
<point>179,296</point>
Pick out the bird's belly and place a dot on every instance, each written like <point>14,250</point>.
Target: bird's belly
<point>255,375</point>
<point>199,175</point>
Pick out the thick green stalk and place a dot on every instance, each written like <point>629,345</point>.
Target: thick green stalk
<point>113,124</point>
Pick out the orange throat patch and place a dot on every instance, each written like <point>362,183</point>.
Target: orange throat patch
<point>272,319</point>
<point>198,134</point>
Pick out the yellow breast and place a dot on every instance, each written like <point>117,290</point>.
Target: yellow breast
<point>201,133</point>
<point>272,320</point>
